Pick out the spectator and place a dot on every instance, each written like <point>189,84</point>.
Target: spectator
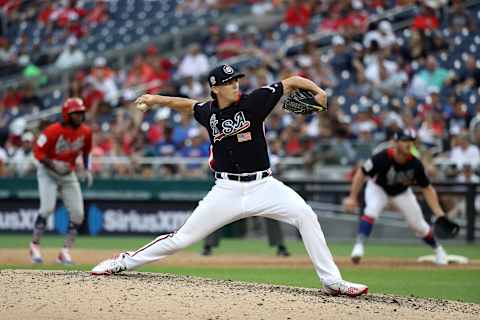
<point>469,76</point>
<point>433,103</point>
<point>384,74</point>
<point>356,21</point>
<point>459,118</point>
<point>212,40</point>
<point>194,64</point>
<point>8,58</point>
<point>180,131</point>
<point>430,132</point>
<point>297,14</point>
<point>30,101</point>
<point>157,128</point>
<point>192,88</point>
<point>195,147</point>
<point>72,56</point>
<point>12,98</point>
<point>427,19</point>
<point>23,161</point>
<point>98,14</point>
<point>431,76</point>
<point>166,148</point>
<point>365,142</point>
<point>103,80</point>
<point>386,37</point>
<point>460,18</point>
<point>363,121</point>
<point>463,152</point>
<point>342,59</point>
<point>232,45</point>
<point>140,73</point>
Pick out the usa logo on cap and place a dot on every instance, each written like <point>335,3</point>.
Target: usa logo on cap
<point>228,69</point>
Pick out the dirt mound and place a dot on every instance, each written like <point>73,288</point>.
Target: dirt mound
<point>28,294</point>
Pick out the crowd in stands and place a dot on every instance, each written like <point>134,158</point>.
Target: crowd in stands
<point>424,76</point>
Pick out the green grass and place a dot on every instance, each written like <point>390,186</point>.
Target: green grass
<point>239,246</point>
<point>454,284</point>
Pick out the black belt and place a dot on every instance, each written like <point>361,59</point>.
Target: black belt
<point>242,178</point>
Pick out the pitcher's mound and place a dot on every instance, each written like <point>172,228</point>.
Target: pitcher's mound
<point>28,294</point>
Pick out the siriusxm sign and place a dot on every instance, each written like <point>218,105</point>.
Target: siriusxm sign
<point>135,220</point>
<point>102,217</point>
<point>20,219</point>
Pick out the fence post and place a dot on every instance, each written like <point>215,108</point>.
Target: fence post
<point>471,212</point>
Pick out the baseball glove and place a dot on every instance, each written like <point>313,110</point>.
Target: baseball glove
<point>445,229</point>
<point>302,102</point>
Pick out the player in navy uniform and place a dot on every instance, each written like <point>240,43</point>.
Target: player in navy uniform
<point>390,174</point>
<point>244,185</point>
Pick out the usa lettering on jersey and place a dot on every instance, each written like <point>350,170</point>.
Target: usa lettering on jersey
<point>229,127</point>
<point>405,178</point>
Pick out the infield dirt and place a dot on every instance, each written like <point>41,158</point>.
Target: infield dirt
<point>28,294</point>
<point>36,294</point>
<point>183,258</point>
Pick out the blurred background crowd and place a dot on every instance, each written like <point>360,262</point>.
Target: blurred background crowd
<point>386,64</point>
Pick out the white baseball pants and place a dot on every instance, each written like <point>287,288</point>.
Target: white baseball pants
<point>68,187</point>
<point>229,201</point>
<point>376,200</point>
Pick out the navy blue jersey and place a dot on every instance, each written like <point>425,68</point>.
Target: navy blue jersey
<point>237,133</point>
<point>393,177</point>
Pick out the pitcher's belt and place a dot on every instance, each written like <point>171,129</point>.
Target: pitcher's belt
<point>244,177</point>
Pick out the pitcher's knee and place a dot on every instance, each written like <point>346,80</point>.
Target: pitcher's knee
<point>306,215</point>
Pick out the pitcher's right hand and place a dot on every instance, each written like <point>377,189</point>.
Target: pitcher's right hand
<point>145,102</point>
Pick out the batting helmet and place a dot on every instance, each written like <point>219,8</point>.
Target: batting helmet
<point>72,105</point>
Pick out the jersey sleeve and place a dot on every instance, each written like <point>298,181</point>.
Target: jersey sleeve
<point>420,176</point>
<point>262,100</point>
<point>371,166</point>
<point>201,112</point>
<point>44,143</point>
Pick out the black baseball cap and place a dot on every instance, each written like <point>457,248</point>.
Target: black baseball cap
<point>222,74</point>
<point>405,135</point>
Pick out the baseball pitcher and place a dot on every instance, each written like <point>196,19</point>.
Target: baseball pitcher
<point>56,150</point>
<point>244,184</point>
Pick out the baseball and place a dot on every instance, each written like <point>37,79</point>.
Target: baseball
<point>142,106</point>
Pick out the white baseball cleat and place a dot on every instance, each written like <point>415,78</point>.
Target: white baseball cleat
<point>346,288</point>
<point>357,253</point>
<point>64,257</point>
<point>110,266</point>
<point>35,253</point>
<point>441,257</point>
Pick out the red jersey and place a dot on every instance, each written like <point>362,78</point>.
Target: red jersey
<point>58,142</point>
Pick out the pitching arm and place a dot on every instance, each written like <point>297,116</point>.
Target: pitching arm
<point>148,101</point>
